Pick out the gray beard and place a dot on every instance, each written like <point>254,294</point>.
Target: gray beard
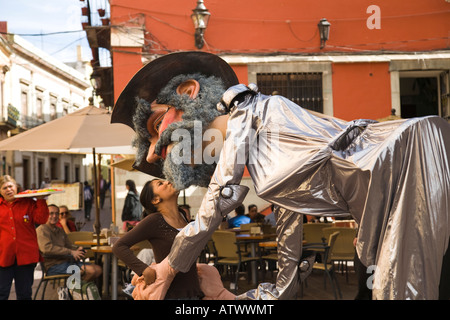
<point>184,175</point>
<point>204,109</point>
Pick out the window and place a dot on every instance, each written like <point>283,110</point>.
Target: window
<point>303,88</point>
<point>39,104</point>
<point>24,102</point>
<point>53,104</point>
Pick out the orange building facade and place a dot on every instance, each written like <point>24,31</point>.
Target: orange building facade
<point>380,55</point>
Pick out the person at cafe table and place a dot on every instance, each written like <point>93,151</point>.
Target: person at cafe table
<point>59,253</point>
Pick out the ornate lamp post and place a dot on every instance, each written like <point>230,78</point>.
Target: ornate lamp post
<point>324,31</point>
<point>200,18</point>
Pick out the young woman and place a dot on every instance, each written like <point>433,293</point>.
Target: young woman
<point>19,251</point>
<point>65,221</point>
<point>159,199</point>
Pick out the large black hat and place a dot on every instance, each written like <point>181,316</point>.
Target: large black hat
<point>154,76</point>
<point>150,79</point>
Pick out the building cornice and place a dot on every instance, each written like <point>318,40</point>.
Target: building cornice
<point>336,58</point>
<point>45,61</point>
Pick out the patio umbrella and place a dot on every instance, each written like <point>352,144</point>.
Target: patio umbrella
<point>84,131</point>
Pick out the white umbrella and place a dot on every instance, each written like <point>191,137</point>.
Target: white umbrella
<point>87,130</point>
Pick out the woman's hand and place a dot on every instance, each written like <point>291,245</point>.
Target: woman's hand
<point>149,275</point>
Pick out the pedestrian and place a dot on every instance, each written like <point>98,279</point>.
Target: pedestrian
<point>132,209</point>
<point>88,198</point>
<point>19,251</point>
<point>103,188</point>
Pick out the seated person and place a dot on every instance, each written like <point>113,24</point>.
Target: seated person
<point>254,215</point>
<point>58,251</point>
<point>239,219</point>
<point>65,222</point>
<point>270,218</point>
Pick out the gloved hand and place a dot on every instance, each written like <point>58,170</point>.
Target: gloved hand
<point>211,283</point>
<point>156,290</point>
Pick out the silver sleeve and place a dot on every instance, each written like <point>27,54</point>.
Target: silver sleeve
<point>223,195</point>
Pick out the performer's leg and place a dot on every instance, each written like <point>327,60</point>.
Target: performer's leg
<point>289,237</point>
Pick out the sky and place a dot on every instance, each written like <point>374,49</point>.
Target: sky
<point>48,16</point>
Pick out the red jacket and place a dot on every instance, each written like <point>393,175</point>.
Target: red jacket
<point>18,239</point>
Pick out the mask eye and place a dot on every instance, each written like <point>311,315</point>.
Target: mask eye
<point>158,121</point>
<point>155,120</point>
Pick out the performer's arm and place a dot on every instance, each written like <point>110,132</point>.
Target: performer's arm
<point>224,193</point>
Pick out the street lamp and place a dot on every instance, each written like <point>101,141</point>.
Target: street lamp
<point>200,18</point>
<point>324,31</point>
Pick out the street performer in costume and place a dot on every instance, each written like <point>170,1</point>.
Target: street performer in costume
<point>392,177</point>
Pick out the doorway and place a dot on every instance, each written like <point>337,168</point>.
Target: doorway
<point>419,96</point>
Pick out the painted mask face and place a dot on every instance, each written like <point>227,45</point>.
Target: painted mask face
<point>157,125</point>
<point>162,116</point>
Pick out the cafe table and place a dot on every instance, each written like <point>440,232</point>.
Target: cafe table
<point>110,261</point>
<point>90,243</point>
<point>254,240</point>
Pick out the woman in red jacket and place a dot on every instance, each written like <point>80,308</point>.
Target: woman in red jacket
<point>19,251</point>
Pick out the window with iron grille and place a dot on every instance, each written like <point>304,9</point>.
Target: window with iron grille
<point>303,88</point>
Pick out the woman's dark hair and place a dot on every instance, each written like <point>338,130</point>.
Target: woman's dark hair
<point>131,186</point>
<point>147,196</point>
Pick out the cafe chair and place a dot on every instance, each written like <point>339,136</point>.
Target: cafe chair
<point>344,250</point>
<point>305,267</point>
<point>82,236</point>
<point>56,279</point>
<point>124,271</point>
<point>209,253</point>
<point>245,228</point>
<point>229,253</point>
<point>312,232</point>
<point>327,265</point>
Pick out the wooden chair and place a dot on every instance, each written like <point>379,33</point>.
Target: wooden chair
<point>312,232</point>
<point>80,236</point>
<point>344,250</point>
<point>327,265</point>
<point>229,253</point>
<point>46,278</point>
<point>245,228</point>
<point>209,253</point>
<point>124,270</point>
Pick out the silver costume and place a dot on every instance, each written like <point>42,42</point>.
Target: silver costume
<point>392,177</point>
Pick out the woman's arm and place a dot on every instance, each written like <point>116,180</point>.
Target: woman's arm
<point>122,248</point>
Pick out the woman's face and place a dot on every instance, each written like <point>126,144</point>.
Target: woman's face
<point>163,189</point>
<point>8,191</point>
